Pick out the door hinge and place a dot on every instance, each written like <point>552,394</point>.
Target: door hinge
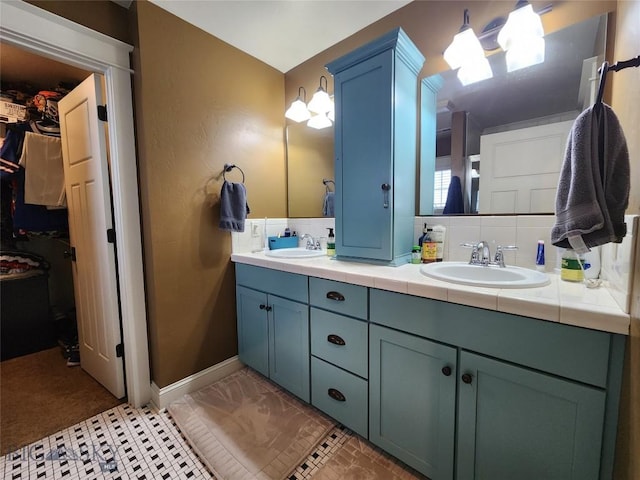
<point>120,350</point>
<point>111,235</point>
<point>102,112</point>
<point>70,254</point>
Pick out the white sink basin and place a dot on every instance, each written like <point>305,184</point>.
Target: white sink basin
<point>481,276</point>
<point>295,253</point>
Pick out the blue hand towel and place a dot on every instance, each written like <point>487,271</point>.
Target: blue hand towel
<point>233,206</point>
<point>327,204</point>
<point>593,189</point>
<point>455,203</point>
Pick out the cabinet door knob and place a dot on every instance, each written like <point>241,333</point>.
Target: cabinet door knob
<point>385,189</point>
<point>446,371</point>
<point>338,297</point>
<point>336,395</point>
<point>268,308</point>
<point>262,306</point>
<point>467,378</point>
<point>335,339</point>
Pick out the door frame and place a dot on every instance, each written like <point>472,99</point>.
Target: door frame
<point>41,32</point>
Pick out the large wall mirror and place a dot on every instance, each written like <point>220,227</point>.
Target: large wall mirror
<point>554,92</point>
<point>309,169</point>
<point>505,137</point>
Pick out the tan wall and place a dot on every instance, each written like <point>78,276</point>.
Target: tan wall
<point>625,101</point>
<point>100,15</point>
<point>200,103</point>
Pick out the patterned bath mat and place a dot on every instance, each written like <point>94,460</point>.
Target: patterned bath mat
<point>244,427</point>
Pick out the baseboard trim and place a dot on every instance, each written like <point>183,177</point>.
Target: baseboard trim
<point>162,397</point>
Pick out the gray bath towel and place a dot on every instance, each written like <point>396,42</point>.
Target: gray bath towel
<point>593,190</point>
<point>233,206</point>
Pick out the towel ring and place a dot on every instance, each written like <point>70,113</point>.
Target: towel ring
<point>228,167</point>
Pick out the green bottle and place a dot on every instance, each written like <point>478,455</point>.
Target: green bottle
<point>331,243</point>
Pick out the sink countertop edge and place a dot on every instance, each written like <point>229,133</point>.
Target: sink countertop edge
<point>556,305</point>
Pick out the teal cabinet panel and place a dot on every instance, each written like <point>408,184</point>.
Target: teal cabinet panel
<point>253,330</point>
<point>339,394</point>
<point>577,353</point>
<point>376,93</point>
<point>289,345</point>
<point>273,332</point>
<point>363,164</point>
<point>518,423</point>
<point>412,400</point>
<point>339,297</point>
<point>340,340</point>
<point>284,284</point>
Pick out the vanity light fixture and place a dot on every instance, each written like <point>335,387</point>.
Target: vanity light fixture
<point>298,111</point>
<point>522,37</point>
<point>319,121</point>
<point>466,53</point>
<point>320,102</point>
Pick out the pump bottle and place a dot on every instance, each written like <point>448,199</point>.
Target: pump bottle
<point>331,243</point>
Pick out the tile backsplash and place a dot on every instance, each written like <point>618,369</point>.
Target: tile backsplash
<point>522,231</point>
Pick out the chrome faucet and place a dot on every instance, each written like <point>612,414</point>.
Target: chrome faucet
<point>481,255</point>
<point>311,244</point>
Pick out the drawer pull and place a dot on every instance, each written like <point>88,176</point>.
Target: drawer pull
<point>336,340</point>
<point>338,297</point>
<point>336,395</point>
<point>446,371</point>
<point>467,378</point>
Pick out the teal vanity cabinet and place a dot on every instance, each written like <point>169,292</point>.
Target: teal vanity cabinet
<point>535,399</point>
<point>412,400</point>
<point>273,325</point>
<point>376,102</point>
<point>339,349</point>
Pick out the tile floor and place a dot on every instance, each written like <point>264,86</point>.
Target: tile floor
<point>129,443</point>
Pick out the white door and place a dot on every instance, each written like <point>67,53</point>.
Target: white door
<point>84,153</point>
<point>519,169</point>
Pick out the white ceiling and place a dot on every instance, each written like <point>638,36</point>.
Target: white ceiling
<point>281,33</point>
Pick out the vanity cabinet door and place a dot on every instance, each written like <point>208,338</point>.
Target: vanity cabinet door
<point>412,400</point>
<point>289,345</point>
<point>273,338</point>
<point>364,158</point>
<point>253,332</point>
<point>518,423</point>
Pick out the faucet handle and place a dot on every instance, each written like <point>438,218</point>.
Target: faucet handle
<point>475,256</point>
<point>499,258</point>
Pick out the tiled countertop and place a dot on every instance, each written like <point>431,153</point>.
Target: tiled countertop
<point>563,302</point>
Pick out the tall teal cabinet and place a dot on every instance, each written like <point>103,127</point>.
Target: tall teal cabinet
<point>376,101</point>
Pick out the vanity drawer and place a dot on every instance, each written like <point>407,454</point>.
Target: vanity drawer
<point>283,284</point>
<point>341,395</point>
<point>340,340</point>
<point>338,297</point>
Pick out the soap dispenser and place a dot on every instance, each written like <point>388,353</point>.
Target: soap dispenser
<point>331,243</point>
